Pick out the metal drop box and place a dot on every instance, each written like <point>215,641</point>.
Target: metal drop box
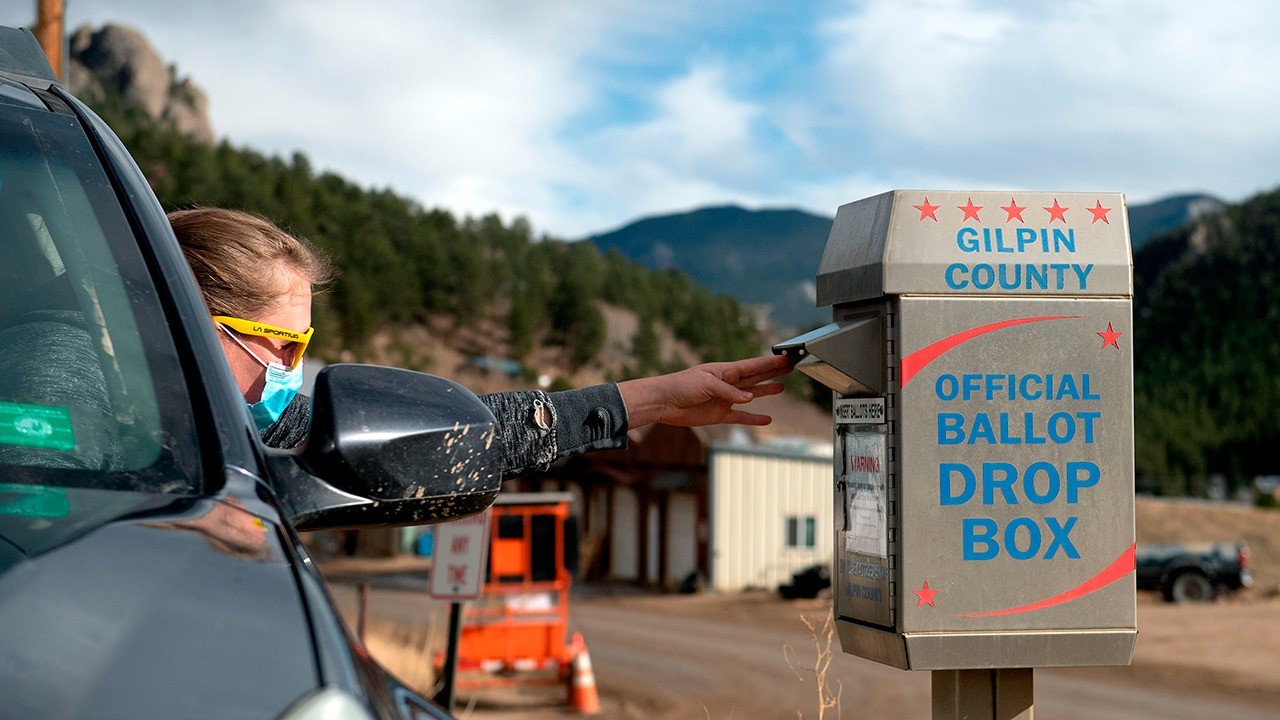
<point>982,363</point>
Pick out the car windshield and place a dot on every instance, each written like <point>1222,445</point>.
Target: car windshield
<point>91,391</point>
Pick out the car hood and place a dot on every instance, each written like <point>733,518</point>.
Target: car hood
<point>170,609</point>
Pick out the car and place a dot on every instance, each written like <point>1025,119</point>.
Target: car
<point>1198,572</point>
<point>807,583</point>
<point>150,561</point>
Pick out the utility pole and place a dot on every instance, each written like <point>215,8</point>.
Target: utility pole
<point>49,32</point>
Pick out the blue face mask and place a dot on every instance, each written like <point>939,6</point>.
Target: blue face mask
<point>282,385</point>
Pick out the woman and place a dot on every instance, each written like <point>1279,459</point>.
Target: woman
<point>257,283</point>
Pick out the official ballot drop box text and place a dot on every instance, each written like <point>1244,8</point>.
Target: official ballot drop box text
<point>982,361</point>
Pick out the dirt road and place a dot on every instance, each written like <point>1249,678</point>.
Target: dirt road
<point>725,657</point>
<point>702,657</point>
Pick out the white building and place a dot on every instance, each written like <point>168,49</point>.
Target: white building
<point>770,513</point>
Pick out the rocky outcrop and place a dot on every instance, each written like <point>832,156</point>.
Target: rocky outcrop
<point>120,58</point>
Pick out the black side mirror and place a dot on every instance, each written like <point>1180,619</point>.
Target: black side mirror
<point>391,447</point>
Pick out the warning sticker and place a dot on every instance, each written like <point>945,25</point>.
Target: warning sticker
<point>40,426</point>
<point>865,465</point>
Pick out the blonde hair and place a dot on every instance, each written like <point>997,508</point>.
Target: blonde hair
<point>239,259</point>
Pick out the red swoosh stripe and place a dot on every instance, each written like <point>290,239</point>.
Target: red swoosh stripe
<point>916,361</point>
<point>1119,568</point>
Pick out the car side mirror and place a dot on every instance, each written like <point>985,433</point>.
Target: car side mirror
<point>390,447</point>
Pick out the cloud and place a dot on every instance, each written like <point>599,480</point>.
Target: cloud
<point>462,105</point>
<point>695,147</point>
<point>457,104</point>
<point>1140,96</point>
<point>699,127</point>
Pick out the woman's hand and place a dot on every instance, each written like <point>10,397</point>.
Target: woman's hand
<point>704,394</point>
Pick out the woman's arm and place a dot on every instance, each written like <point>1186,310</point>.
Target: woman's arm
<point>539,428</point>
<point>704,394</point>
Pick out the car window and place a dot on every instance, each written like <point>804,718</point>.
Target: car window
<point>91,391</point>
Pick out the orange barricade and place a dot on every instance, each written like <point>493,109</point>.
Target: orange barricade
<point>516,633</point>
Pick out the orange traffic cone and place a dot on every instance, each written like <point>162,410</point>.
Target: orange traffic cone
<point>583,697</point>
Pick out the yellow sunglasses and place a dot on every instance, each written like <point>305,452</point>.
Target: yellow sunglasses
<point>272,332</point>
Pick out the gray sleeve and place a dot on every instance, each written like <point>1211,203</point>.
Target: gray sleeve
<point>591,418</point>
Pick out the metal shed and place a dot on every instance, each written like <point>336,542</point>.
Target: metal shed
<point>770,512</point>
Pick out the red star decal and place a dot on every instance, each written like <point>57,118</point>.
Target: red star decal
<point>1099,213</point>
<point>927,210</point>
<point>926,595</point>
<point>970,210</point>
<point>1057,212</point>
<point>1014,210</point>
<point>1109,337</point>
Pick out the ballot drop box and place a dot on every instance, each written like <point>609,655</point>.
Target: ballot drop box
<point>981,358</point>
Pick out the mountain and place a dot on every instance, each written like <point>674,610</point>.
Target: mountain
<point>118,61</point>
<point>1206,305</point>
<point>769,258</point>
<point>766,258</point>
<point>1168,214</point>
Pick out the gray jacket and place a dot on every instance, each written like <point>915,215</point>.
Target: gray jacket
<point>591,418</point>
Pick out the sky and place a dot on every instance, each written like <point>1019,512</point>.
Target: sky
<point>584,116</point>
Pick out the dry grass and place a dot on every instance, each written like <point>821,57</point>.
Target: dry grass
<point>828,691</point>
<point>406,650</point>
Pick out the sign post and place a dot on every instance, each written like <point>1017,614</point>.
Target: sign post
<point>982,361</point>
<point>457,574</point>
